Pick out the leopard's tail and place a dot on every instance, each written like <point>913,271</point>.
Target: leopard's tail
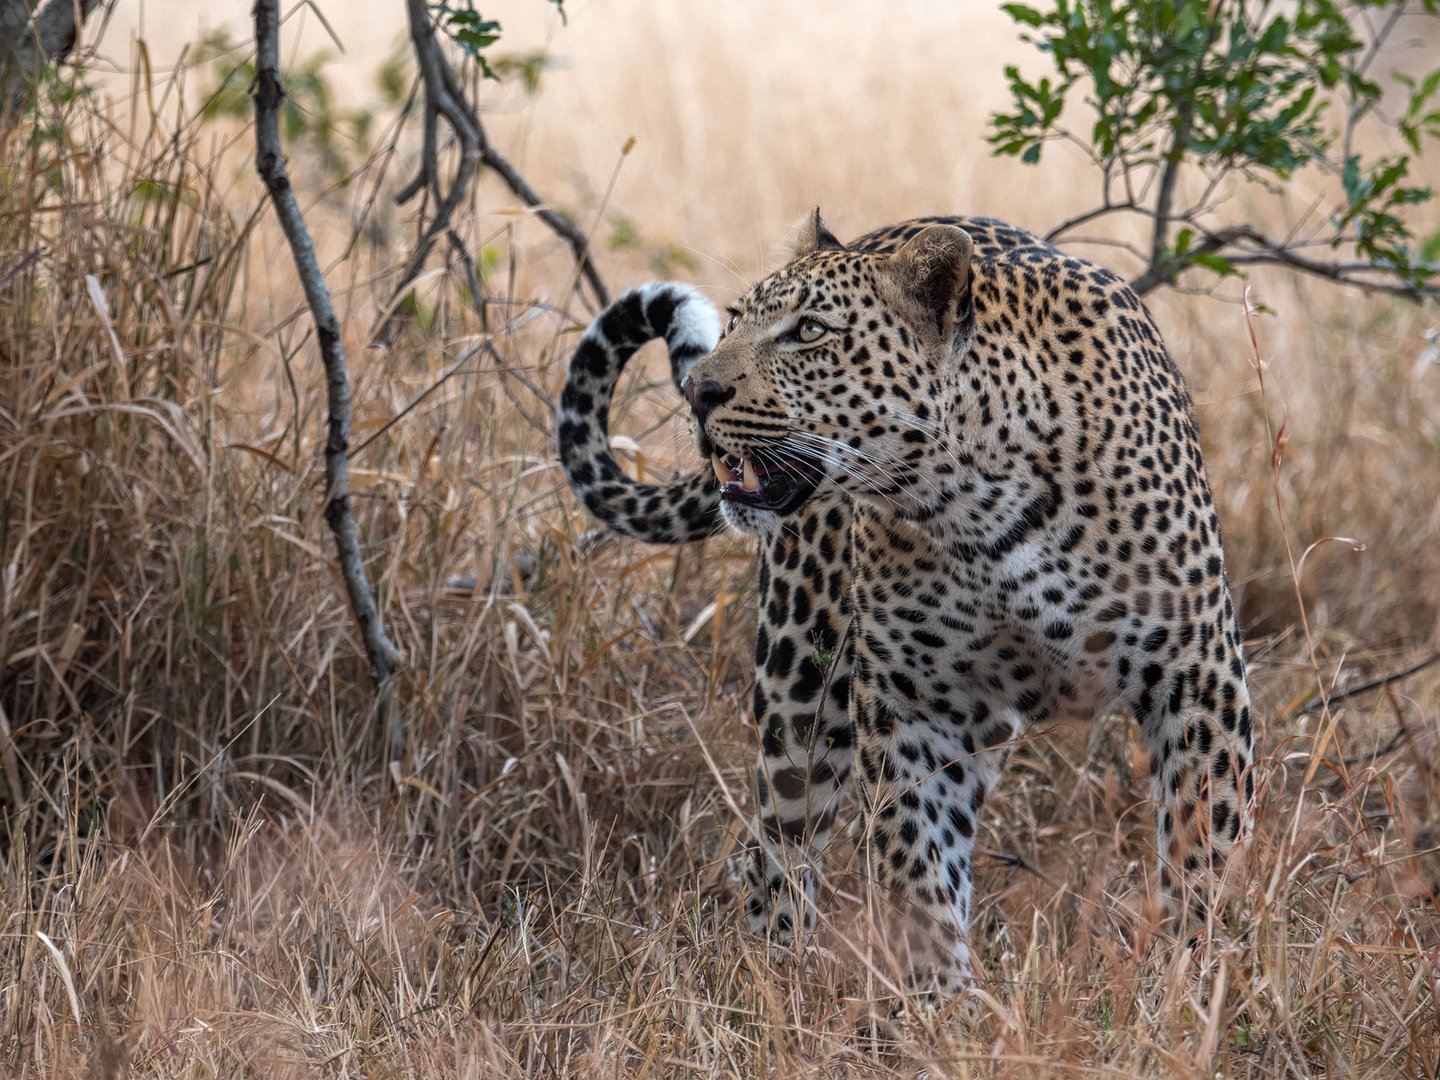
<point>686,508</point>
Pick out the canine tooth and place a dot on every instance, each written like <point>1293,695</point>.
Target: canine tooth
<point>752,482</point>
<point>723,472</point>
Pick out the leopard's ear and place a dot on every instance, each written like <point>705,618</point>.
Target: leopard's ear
<point>812,236</point>
<point>933,269</point>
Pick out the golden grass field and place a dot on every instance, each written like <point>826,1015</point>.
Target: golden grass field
<point>213,864</point>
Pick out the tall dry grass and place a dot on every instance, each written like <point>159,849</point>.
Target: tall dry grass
<point>211,861</point>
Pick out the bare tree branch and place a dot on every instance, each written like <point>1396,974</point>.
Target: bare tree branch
<point>1344,273</point>
<point>28,46</point>
<point>270,163</point>
<point>1164,198</point>
<point>445,99</point>
<point>1088,216</point>
<point>1245,246</point>
<point>1360,108</point>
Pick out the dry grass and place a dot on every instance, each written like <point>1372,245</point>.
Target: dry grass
<point>210,863</point>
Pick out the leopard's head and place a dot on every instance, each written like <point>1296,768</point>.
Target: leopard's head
<point>830,373</point>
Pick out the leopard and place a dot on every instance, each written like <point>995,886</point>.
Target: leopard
<point>975,478</point>
<point>801,675</point>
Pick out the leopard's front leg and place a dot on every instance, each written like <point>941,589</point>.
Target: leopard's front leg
<point>802,694</point>
<point>923,779</point>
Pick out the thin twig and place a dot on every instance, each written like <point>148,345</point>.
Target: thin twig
<point>1358,109</point>
<point>1015,861</point>
<point>1377,683</point>
<point>485,345</point>
<point>1089,215</point>
<point>384,658</point>
<point>445,99</point>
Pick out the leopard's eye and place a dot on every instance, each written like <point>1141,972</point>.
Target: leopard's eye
<point>809,330</point>
<point>730,326</point>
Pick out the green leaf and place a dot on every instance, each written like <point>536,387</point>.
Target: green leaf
<point>1430,248</point>
<point>1208,259</point>
<point>471,32</point>
<point>1023,13</point>
<point>1350,179</point>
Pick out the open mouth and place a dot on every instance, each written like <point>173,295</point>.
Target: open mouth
<point>776,488</point>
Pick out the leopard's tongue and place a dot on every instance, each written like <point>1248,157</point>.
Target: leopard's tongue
<point>746,477</point>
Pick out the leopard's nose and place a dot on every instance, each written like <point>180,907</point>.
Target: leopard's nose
<point>705,396</point>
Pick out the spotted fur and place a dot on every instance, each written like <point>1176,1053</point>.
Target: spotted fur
<point>802,649</point>
<point>1008,495</point>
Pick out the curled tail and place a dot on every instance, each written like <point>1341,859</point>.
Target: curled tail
<point>687,508</point>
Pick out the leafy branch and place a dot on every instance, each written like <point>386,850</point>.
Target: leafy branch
<point>1190,95</point>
